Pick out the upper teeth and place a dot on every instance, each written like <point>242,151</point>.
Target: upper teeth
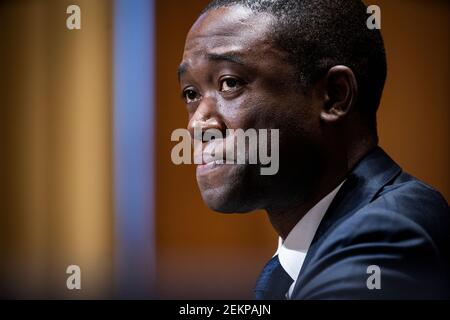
<point>216,162</point>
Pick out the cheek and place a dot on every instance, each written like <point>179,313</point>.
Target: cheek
<point>263,107</point>
<point>249,111</point>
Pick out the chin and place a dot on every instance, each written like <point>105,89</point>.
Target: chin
<point>229,189</point>
<point>223,201</point>
<point>229,198</point>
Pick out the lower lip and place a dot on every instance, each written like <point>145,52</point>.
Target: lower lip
<point>203,169</point>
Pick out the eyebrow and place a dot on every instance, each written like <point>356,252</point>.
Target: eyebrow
<point>216,57</point>
<point>182,70</point>
<point>228,57</point>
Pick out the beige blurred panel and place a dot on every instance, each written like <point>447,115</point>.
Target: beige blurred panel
<point>23,195</point>
<point>414,117</point>
<point>56,149</point>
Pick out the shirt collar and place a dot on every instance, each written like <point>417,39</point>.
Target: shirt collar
<point>292,251</point>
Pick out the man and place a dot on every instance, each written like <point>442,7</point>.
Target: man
<point>352,224</point>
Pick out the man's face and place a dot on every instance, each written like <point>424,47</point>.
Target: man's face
<point>233,77</point>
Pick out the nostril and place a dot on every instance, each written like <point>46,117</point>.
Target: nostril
<point>206,130</point>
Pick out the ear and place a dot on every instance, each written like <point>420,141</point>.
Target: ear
<point>340,93</point>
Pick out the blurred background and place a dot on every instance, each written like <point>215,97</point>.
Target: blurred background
<point>85,171</point>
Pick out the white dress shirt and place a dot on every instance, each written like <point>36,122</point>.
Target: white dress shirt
<point>292,251</point>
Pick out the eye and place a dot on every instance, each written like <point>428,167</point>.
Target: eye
<point>190,95</point>
<point>230,84</point>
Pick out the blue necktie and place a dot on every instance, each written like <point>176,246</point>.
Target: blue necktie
<point>273,282</point>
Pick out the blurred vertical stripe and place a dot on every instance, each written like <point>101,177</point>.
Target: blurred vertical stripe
<point>133,143</point>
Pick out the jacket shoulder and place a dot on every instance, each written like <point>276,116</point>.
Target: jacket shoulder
<point>418,203</point>
<point>404,231</point>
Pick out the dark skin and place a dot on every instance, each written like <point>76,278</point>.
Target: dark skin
<point>233,76</point>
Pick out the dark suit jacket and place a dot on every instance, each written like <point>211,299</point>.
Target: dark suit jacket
<point>381,216</point>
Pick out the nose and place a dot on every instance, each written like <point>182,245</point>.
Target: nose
<point>206,117</point>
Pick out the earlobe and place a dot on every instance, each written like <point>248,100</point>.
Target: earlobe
<point>340,91</point>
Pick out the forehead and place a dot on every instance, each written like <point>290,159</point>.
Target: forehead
<point>225,29</point>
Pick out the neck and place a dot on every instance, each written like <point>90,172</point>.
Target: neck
<point>284,220</point>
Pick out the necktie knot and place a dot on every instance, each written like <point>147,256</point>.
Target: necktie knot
<point>273,282</point>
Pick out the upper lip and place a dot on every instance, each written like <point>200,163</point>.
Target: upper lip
<point>206,155</point>
<point>207,158</point>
